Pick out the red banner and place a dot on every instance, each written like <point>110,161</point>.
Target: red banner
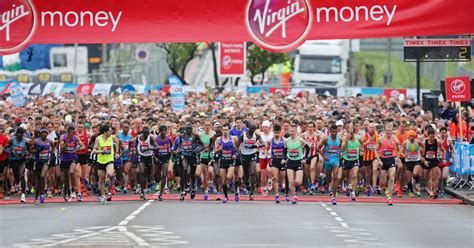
<point>279,25</point>
<point>395,93</point>
<point>232,59</point>
<point>85,89</point>
<point>458,89</point>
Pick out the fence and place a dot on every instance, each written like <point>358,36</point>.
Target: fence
<point>463,166</point>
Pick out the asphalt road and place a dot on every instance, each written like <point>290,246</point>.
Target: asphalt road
<point>243,224</point>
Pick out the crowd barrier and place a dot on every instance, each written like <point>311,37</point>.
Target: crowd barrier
<point>42,89</point>
<point>463,166</point>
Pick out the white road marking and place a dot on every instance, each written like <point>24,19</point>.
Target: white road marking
<point>333,213</point>
<point>135,213</point>
<point>328,209</point>
<point>344,225</point>
<point>339,219</point>
<point>132,236</point>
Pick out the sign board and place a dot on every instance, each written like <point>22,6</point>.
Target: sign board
<point>458,89</point>
<point>178,94</point>
<point>16,93</point>
<point>433,50</point>
<point>232,59</point>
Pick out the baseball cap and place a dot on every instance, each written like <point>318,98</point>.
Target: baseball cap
<point>266,124</point>
<point>339,123</point>
<point>18,120</point>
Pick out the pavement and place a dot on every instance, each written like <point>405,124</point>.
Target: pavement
<point>465,196</point>
<point>261,223</point>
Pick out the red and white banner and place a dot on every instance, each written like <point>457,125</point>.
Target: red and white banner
<point>436,42</point>
<point>458,89</point>
<point>395,93</point>
<point>232,59</point>
<point>277,25</point>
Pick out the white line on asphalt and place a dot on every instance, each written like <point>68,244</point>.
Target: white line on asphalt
<point>324,205</point>
<point>336,217</point>
<point>135,213</point>
<point>132,236</point>
<point>328,209</point>
<point>333,213</point>
<point>339,219</point>
<point>344,225</point>
<point>123,223</point>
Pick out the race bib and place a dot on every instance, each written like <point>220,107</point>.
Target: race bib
<point>294,153</point>
<point>352,154</point>
<point>44,155</point>
<point>430,154</point>
<point>227,154</point>
<point>387,153</point>
<point>18,150</point>
<point>107,149</point>
<point>278,153</point>
<point>412,156</point>
<point>70,148</point>
<point>372,146</point>
<point>333,150</point>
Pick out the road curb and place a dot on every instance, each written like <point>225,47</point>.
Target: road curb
<point>459,196</point>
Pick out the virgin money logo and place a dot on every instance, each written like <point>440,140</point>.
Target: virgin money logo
<point>226,62</point>
<point>17,25</point>
<point>458,86</point>
<point>279,25</point>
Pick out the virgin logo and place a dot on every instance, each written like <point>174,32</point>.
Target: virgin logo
<point>279,25</point>
<point>17,25</point>
<point>458,86</point>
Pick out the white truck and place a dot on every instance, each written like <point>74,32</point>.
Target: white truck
<point>322,63</point>
<point>63,59</point>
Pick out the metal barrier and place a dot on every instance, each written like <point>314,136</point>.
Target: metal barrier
<point>463,167</point>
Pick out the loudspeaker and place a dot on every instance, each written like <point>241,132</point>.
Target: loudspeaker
<point>430,103</point>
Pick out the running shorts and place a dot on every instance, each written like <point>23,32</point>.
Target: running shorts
<point>294,165</point>
<point>349,164</point>
<point>83,159</point>
<point>367,163</point>
<point>15,164</point>
<point>276,163</point>
<point>205,161</point>
<point>66,164</point>
<point>163,159</point>
<point>3,165</point>
<point>102,167</point>
<point>147,161</point>
<point>411,165</point>
<point>387,163</point>
<point>38,166</point>
<point>264,162</point>
<point>247,159</point>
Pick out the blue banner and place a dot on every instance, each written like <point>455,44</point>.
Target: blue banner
<point>463,159</point>
<point>18,98</point>
<point>178,94</point>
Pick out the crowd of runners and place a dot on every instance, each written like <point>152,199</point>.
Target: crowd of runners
<point>226,143</point>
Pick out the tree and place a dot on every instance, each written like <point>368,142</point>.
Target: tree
<point>178,56</point>
<point>259,60</point>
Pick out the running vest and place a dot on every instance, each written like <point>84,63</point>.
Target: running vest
<point>295,151</point>
<point>412,151</point>
<point>278,149</point>
<point>370,147</point>
<point>164,148</point>
<point>228,149</point>
<point>143,146</point>
<point>126,139</point>
<point>312,142</point>
<point>43,150</point>
<point>332,149</point>
<point>206,139</point>
<point>447,151</point>
<point>18,150</point>
<point>352,150</point>
<point>387,148</point>
<point>431,153</point>
<point>69,152</point>
<point>84,139</point>
<point>107,146</point>
<point>188,145</point>
<point>247,147</point>
<point>263,151</point>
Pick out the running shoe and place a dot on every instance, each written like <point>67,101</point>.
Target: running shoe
<point>260,190</point>
<point>218,197</point>
<point>23,198</point>
<point>206,196</point>
<point>368,192</point>
<point>322,189</point>
<point>237,197</point>
<point>251,197</point>
<point>226,199</point>
<point>435,196</point>
<point>386,193</point>
<point>211,187</point>
<point>73,195</point>
<point>129,187</point>
<point>114,190</point>
<point>287,198</point>
<point>41,198</point>
<point>183,194</point>
<point>353,196</point>
<point>143,196</point>
<point>32,190</point>
<point>411,195</point>
<point>348,192</point>
<point>311,192</point>
<point>102,200</point>
<point>265,192</point>
<point>400,193</point>
<point>160,197</point>
<point>109,197</point>
<point>333,201</point>
<point>431,195</point>
<point>193,194</point>
<point>389,201</point>
<point>418,194</point>
<point>50,194</point>
<point>79,197</point>
<point>36,202</point>
<point>294,201</point>
<point>166,191</point>
<point>277,199</point>
<point>125,190</point>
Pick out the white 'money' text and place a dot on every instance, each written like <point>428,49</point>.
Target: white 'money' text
<point>375,13</point>
<point>83,18</point>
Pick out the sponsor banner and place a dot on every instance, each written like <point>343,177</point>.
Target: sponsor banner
<point>18,99</point>
<point>326,91</point>
<point>372,91</point>
<point>348,92</point>
<point>128,88</point>
<point>284,91</point>
<point>140,89</point>
<point>4,88</point>
<point>277,25</point>
<point>196,89</point>
<point>69,88</point>
<point>25,88</point>
<point>297,91</point>
<point>411,93</point>
<point>232,59</point>
<point>257,89</point>
<point>437,42</point>
<point>177,93</point>
<point>36,89</point>
<point>116,89</point>
<point>102,89</point>
<point>458,89</point>
<point>54,88</point>
<point>85,89</point>
<point>395,93</point>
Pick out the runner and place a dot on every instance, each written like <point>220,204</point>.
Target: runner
<point>163,157</point>
<point>18,149</point>
<point>278,152</point>
<point>83,160</point>
<point>350,152</point>
<point>312,166</point>
<point>294,165</point>
<point>387,152</point>
<point>145,145</point>
<point>331,155</point>
<point>104,147</point>
<point>224,145</point>
<point>69,144</point>
<point>444,166</point>
<point>411,149</point>
<point>42,148</point>
<point>248,143</point>
<point>402,135</point>
<point>4,161</point>
<point>433,150</point>
<point>214,171</point>
<point>264,156</point>
<point>125,137</point>
<point>205,157</point>
<point>370,165</point>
